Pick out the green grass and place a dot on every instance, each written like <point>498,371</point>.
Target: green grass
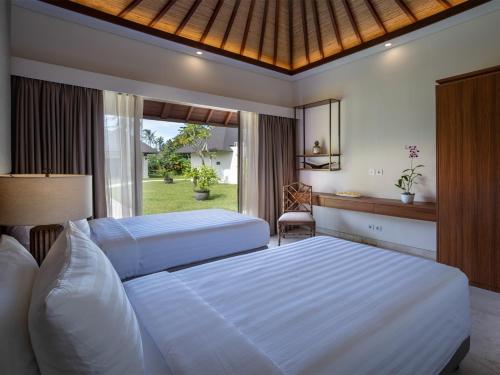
<point>159,197</point>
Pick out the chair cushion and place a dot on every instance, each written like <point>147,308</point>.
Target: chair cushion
<point>296,217</point>
<point>18,270</point>
<point>80,319</point>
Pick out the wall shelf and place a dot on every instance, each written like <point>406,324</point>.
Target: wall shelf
<point>389,207</point>
<point>321,113</point>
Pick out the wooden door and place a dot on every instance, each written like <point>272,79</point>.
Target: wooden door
<point>468,141</point>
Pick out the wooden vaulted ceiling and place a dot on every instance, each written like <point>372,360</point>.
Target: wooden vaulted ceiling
<point>289,36</point>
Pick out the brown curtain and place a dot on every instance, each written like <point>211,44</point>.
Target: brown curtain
<point>276,164</point>
<point>59,128</point>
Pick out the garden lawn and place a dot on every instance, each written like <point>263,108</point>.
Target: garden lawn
<point>159,197</point>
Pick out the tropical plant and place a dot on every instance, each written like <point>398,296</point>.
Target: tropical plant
<point>197,137</point>
<point>410,175</point>
<point>203,177</point>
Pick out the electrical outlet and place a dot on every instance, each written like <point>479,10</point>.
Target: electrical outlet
<point>379,172</point>
<point>374,227</point>
<point>371,172</point>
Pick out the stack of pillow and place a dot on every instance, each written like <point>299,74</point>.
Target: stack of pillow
<point>71,315</point>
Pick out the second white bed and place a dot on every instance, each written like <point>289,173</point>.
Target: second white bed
<point>145,244</point>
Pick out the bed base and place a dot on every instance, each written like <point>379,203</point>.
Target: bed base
<point>459,355</point>
<point>189,265</point>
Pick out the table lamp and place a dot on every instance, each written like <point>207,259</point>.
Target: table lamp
<point>44,201</point>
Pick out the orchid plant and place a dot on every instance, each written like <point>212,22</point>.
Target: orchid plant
<point>410,175</point>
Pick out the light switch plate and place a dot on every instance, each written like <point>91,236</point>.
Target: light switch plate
<point>371,172</point>
<point>379,172</point>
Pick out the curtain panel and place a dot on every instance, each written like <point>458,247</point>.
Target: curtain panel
<point>59,129</point>
<point>123,160</point>
<point>249,163</point>
<point>277,166</point>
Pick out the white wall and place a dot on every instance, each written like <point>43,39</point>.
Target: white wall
<point>388,101</point>
<point>5,87</point>
<point>69,44</point>
<point>227,170</point>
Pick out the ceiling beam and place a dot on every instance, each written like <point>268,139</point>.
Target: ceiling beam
<point>350,15</point>
<point>304,29</point>
<point>375,15</point>
<point>276,30</point>
<point>290,32</point>
<point>162,12</point>
<point>165,111</point>
<point>190,111</point>
<point>263,29</point>
<point>209,115</point>
<point>247,27</point>
<point>187,17</point>
<point>129,7</point>
<point>230,23</point>
<point>444,3</point>
<point>318,29</point>
<point>228,117</point>
<point>334,24</point>
<point>211,20</point>
<point>402,5</point>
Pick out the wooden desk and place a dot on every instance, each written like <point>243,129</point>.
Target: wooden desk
<point>389,207</point>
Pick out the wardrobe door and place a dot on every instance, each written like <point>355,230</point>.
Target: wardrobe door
<point>496,137</point>
<point>468,177</point>
<point>449,145</point>
<point>479,182</point>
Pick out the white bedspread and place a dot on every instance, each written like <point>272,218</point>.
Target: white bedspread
<point>320,306</point>
<point>145,244</point>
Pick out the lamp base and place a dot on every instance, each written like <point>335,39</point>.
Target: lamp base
<point>42,238</point>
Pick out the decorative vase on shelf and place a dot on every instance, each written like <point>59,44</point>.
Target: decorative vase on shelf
<point>407,198</point>
<point>316,148</point>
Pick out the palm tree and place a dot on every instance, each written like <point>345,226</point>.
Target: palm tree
<point>160,142</point>
<point>148,136</point>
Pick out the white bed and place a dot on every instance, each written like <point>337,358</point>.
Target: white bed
<point>318,306</point>
<point>145,244</point>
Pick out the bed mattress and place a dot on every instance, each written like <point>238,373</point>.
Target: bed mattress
<point>145,244</point>
<point>321,306</point>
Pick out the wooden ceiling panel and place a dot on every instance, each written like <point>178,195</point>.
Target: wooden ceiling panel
<point>423,8</point>
<point>288,36</point>
<point>283,47</point>
<point>163,111</point>
<point>268,41</point>
<point>235,36</point>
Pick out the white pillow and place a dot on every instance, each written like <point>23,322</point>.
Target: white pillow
<point>82,225</point>
<point>18,270</point>
<point>80,318</point>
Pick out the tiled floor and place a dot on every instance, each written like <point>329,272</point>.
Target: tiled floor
<point>484,354</point>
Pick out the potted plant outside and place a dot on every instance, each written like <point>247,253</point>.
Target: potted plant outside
<point>167,178</point>
<point>203,177</point>
<point>409,177</point>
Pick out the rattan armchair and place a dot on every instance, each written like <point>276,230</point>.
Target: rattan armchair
<point>297,218</point>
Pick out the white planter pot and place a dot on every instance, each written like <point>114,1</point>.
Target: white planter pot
<point>407,198</point>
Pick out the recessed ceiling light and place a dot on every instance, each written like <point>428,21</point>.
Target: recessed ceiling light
<point>199,53</point>
<point>388,44</point>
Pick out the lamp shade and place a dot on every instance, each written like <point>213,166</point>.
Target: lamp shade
<point>35,199</point>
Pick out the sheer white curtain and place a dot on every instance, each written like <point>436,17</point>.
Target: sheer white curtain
<point>122,144</point>
<point>249,176</point>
